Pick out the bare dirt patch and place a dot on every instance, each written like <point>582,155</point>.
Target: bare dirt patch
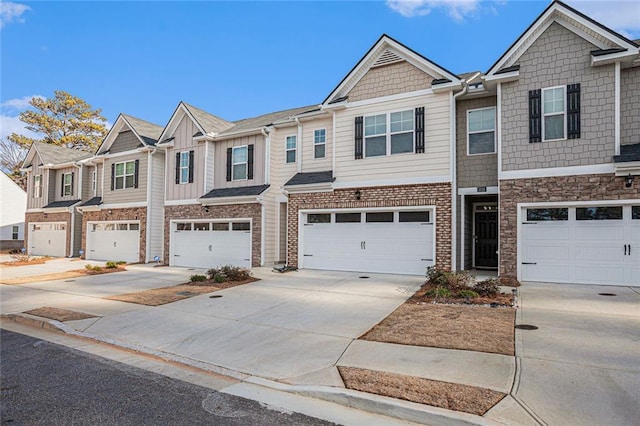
<point>57,276</point>
<point>452,396</point>
<point>164,295</point>
<point>59,314</point>
<point>25,262</point>
<point>472,328</point>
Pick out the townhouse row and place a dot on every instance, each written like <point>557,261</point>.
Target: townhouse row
<point>532,168</point>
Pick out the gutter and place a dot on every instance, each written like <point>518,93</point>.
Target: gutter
<point>267,155</point>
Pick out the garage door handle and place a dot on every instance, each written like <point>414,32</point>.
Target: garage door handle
<point>529,263</point>
<point>307,255</point>
<point>427,260</point>
<point>625,249</point>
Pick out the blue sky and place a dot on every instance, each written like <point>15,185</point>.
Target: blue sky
<point>241,59</point>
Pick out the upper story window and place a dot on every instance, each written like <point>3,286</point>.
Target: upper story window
<point>553,112</point>
<point>291,146</point>
<point>15,231</point>
<point>67,184</point>
<point>37,186</point>
<point>319,143</point>
<point>481,131</point>
<point>239,162</point>
<point>184,167</point>
<point>388,133</point>
<point>124,175</point>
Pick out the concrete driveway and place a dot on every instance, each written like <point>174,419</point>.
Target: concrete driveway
<point>582,364</point>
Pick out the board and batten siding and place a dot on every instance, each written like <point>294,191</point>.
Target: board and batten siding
<point>57,184</point>
<point>126,195</point>
<point>87,192</point>
<point>125,141</point>
<point>36,169</point>
<point>433,162</point>
<point>309,163</point>
<point>220,167</point>
<point>155,210</point>
<point>183,141</point>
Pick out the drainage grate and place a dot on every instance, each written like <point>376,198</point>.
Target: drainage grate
<point>215,296</point>
<point>364,277</point>
<point>526,327</point>
<point>607,294</point>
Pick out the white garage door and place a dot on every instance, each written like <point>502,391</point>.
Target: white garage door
<point>398,242</point>
<point>117,241</point>
<point>583,244</point>
<point>199,244</point>
<point>48,239</point>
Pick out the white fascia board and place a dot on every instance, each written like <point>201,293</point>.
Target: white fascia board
<point>58,209</point>
<point>181,202</point>
<point>318,187</point>
<point>39,210</point>
<point>122,205</point>
<point>125,153</point>
<point>627,168</point>
<point>502,77</point>
<point>557,171</point>
<point>84,209</point>
<point>334,107</point>
<point>393,182</point>
<point>627,56</point>
<point>230,200</point>
<point>491,190</point>
<point>224,136</point>
<point>446,87</point>
<point>114,130</point>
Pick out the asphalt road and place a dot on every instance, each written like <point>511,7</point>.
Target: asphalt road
<point>44,383</point>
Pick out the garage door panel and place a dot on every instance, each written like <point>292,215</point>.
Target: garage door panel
<point>545,232</point>
<point>599,233</point>
<point>599,253</point>
<point>600,274</point>
<point>546,273</point>
<point>533,253</point>
<point>48,239</point>
<point>106,242</point>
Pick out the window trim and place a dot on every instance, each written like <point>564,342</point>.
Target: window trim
<point>94,181</point>
<point>183,168</point>
<point>544,115</point>
<point>246,163</point>
<point>295,149</point>
<point>15,232</point>
<point>323,143</point>
<point>37,186</point>
<point>388,133</point>
<point>124,175</point>
<point>68,185</point>
<point>495,150</point>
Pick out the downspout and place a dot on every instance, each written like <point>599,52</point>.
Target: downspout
<point>333,144</point>
<point>267,155</point>
<point>263,223</point>
<point>299,143</point>
<point>454,174</point>
<point>149,227</point>
<point>73,210</point>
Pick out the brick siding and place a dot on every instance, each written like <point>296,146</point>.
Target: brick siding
<point>136,213</point>
<point>438,195</point>
<point>196,211</point>
<point>553,189</point>
<point>48,217</point>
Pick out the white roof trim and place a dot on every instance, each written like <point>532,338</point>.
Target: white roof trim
<point>229,200</point>
<point>113,134</point>
<point>171,126</point>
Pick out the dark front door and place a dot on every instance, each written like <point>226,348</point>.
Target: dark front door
<point>486,240</point>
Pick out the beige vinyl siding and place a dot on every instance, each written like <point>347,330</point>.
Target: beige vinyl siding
<point>99,176</point>
<point>220,169</point>
<point>87,192</point>
<point>50,185</point>
<point>155,210</point>
<point>58,184</point>
<point>37,203</point>
<point>184,142</point>
<point>125,141</point>
<point>309,163</point>
<point>126,195</point>
<point>434,162</point>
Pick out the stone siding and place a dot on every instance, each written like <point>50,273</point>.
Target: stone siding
<point>552,189</point>
<point>558,58</point>
<point>389,80</point>
<point>48,217</point>
<point>630,106</point>
<point>438,195</point>
<point>473,170</point>
<point>196,211</point>
<point>136,213</point>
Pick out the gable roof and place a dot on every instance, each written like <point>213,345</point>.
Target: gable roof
<point>205,122</point>
<point>384,51</point>
<point>593,31</point>
<point>146,132</point>
<point>53,155</point>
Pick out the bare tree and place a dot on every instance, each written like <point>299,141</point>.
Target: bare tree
<point>11,157</point>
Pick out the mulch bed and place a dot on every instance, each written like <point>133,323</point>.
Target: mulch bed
<point>452,396</point>
<point>34,261</point>
<point>59,314</point>
<point>164,295</point>
<point>421,296</point>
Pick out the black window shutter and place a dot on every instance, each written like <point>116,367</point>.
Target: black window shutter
<point>573,111</point>
<point>250,162</point>
<point>72,176</point>
<point>113,176</point>
<point>419,130</point>
<point>535,116</point>
<point>62,187</point>
<point>229,154</point>
<point>190,166</point>
<point>359,133</point>
<point>177,168</point>
<point>135,174</point>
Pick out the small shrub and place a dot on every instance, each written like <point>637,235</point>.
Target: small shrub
<point>219,278</point>
<point>455,281</point>
<point>439,292</point>
<point>198,277</point>
<point>231,273</point>
<point>467,293</point>
<point>111,265</point>
<point>88,267</point>
<point>20,257</point>
<point>509,282</point>
<point>488,287</point>
<point>121,262</point>
<point>93,268</point>
<point>433,274</point>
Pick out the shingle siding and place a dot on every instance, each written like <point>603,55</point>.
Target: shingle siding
<point>389,80</point>
<point>630,106</point>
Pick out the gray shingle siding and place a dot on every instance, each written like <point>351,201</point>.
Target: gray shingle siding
<point>630,106</point>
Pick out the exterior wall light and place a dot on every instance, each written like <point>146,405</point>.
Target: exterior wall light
<point>358,194</point>
<point>628,181</point>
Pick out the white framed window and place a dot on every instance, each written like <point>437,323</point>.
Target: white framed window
<point>15,232</point>
<point>37,186</point>
<point>481,131</point>
<point>239,163</point>
<point>124,175</point>
<point>184,167</point>
<point>319,143</point>
<point>94,179</point>
<point>554,110</point>
<point>291,145</point>
<point>67,182</point>
<point>389,134</point>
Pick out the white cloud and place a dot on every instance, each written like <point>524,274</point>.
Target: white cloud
<point>620,16</point>
<point>19,104</point>
<point>457,9</point>
<point>12,12</point>
<point>10,124</point>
